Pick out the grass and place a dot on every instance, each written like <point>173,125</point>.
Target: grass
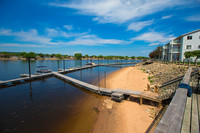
<point>150,79</point>
<point>143,69</point>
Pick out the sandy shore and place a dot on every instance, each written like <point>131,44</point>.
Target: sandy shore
<point>127,116</point>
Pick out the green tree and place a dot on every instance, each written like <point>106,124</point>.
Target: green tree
<point>30,55</point>
<point>23,54</point>
<point>59,56</point>
<point>41,55</point>
<point>195,53</point>
<point>126,57</point>
<point>78,56</point>
<point>132,57</point>
<point>100,56</point>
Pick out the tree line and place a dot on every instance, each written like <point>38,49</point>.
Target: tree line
<point>77,56</point>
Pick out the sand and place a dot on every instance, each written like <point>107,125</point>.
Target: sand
<point>127,116</point>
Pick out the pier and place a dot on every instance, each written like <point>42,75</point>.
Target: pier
<point>17,81</point>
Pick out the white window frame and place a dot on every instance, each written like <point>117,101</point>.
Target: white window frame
<point>188,48</point>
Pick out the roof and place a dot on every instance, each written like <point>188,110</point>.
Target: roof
<point>187,34</point>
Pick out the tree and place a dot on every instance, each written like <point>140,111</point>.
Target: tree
<point>94,56</point>
<point>195,53</point>
<point>100,56</point>
<point>30,55</point>
<point>86,56</point>
<point>53,55</point>
<point>156,54</point>
<point>132,57</point>
<point>126,57</point>
<point>78,56</point>
<point>59,56</point>
<point>23,54</point>
<point>41,55</point>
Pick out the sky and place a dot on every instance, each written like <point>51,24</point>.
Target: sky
<point>94,27</point>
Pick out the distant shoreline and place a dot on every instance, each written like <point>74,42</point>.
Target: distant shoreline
<point>50,59</point>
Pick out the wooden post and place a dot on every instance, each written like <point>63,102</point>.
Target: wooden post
<point>195,62</point>
<point>64,65</point>
<point>105,79</point>
<point>58,64</point>
<point>140,100</point>
<point>155,89</point>
<point>29,68</point>
<point>148,87</point>
<point>183,61</point>
<point>188,62</point>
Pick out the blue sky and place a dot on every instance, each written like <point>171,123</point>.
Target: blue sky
<point>94,27</point>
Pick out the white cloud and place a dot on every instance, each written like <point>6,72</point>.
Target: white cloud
<point>27,36</point>
<point>92,40</point>
<point>137,26</point>
<point>195,18</point>
<point>68,27</point>
<point>19,45</point>
<point>119,11</point>
<point>55,37</point>
<point>167,17</point>
<point>152,44</point>
<point>154,38</point>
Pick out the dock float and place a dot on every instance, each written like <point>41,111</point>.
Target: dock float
<point>96,89</point>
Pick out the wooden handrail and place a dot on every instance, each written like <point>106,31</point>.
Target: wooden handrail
<point>172,119</point>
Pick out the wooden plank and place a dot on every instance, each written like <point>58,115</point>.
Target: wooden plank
<point>195,119</point>
<point>187,117</point>
<point>198,103</point>
<point>172,120</point>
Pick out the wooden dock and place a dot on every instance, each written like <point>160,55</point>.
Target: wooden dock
<point>93,88</point>
<point>37,77</point>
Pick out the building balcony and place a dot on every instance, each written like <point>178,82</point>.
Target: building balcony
<point>176,41</point>
<point>176,50</point>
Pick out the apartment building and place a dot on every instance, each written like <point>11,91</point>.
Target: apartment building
<point>175,49</point>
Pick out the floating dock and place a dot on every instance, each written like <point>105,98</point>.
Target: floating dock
<point>93,88</point>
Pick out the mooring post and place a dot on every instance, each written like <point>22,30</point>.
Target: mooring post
<point>29,67</point>
<point>58,64</point>
<point>105,79</point>
<point>64,65</point>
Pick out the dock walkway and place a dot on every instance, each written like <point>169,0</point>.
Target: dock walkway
<point>93,88</point>
<point>17,81</point>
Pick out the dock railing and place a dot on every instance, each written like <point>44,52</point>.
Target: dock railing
<point>168,89</point>
<point>171,122</point>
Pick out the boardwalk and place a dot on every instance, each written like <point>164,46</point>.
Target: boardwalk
<point>182,115</point>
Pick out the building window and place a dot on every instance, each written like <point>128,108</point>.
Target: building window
<point>188,46</point>
<point>189,37</point>
<point>199,47</point>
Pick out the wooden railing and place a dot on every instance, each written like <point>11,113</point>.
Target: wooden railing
<point>171,121</point>
<point>168,89</point>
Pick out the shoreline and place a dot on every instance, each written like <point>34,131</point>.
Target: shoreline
<point>127,116</point>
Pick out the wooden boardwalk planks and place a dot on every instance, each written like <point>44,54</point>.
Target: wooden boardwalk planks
<point>187,117</point>
<point>195,117</point>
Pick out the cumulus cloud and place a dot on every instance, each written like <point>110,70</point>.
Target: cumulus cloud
<point>137,26</point>
<point>155,38</point>
<point>119,11</point>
